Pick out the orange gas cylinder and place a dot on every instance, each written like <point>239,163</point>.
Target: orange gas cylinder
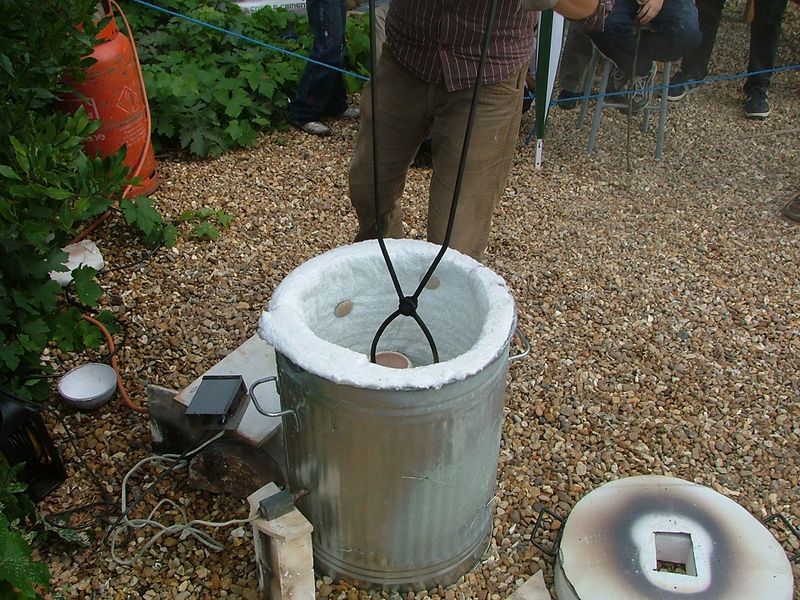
<point>114,93</point>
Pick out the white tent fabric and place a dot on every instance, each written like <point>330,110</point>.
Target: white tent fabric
<point>546,57</point>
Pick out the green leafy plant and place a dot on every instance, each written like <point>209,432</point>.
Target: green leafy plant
<point>49,186</point>
<point>20,575</point>
<point>357,52</point>
<point>206,222</point>
<point>142,214</point>
<point>210,91</point>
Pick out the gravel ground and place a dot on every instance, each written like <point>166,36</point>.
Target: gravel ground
<point>662,304</point>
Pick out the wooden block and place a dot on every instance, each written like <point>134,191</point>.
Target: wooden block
<point>283,552</point>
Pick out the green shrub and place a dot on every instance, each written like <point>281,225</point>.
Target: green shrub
<point>48,185</point>
<point>210,91</point>
<point>20,575</point>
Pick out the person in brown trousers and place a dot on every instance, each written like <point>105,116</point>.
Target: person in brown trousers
<point>425,78</point>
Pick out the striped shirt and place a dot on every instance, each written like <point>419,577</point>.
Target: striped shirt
<point>440,40</point>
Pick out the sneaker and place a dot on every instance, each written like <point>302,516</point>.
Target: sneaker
<point>351,112</point>
<point>756,105</point>
<point>315,128</point>
<point>641,89</point>
<point>680,85</point>
<point>616,84</point>
<point>568,100</point>
<point>792,210</point>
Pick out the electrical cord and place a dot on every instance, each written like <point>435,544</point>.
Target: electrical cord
<point>408,304</point>
<point>184,526</point>
<point>106,500</point>
<point>177,461</point>
<point>147,256</point>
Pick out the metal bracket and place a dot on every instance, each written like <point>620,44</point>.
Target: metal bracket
<point>551,551</point>
<point>526,345</point>
<point>266,413</point>
<point>769,523</point>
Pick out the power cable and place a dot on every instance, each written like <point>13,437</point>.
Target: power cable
<point>61,518</point>
<point>145,257</point>
<point>179,459</point>
<point>185,527</point>
<point>106,500</point>
<point>408,304</point>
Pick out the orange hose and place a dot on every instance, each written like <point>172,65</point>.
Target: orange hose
<point>149,119</point>
<point>115,364</point>
<point>92,226</point>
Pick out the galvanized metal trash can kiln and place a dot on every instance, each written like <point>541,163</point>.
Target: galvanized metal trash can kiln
<point>400,464</point>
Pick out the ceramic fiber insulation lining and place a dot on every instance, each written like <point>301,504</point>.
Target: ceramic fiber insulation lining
<point>471,316</point>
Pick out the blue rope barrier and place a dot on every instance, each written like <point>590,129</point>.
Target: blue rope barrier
<point>247,38</point>
<point>705,81</point>
<point>699,82</point>
<point>553,102</point>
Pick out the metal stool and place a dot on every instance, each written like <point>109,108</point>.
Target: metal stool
<point>658,104</point>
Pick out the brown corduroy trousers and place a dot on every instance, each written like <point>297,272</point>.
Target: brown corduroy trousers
<point>409,109</point>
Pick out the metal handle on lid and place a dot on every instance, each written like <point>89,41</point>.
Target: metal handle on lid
<point>267,413</point>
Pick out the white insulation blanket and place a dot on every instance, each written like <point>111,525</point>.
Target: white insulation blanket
<point>471,315</point>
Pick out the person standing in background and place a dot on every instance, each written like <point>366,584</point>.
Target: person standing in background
<point>765,31</point>
<point>575,61</point>
<point>321,92</point>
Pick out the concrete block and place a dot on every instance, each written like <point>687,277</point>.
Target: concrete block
<point>284,554</point>
<point>253,360</point>
<point>171,432</point>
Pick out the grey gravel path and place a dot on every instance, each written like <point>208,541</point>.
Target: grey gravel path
<point>663,306</point>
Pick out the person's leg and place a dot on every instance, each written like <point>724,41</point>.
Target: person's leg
<point>674,32</point>
<point>617,40</point>
<point>575,59</point>
<point>765,34</point>
<point>492,145</point>
<point>695,62</point>
<point>403,118</point>
<point>321,91</point>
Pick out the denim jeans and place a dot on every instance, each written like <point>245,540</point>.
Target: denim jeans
<point>673,32</point>
<point>321,92</point>
<point>764,36</point>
